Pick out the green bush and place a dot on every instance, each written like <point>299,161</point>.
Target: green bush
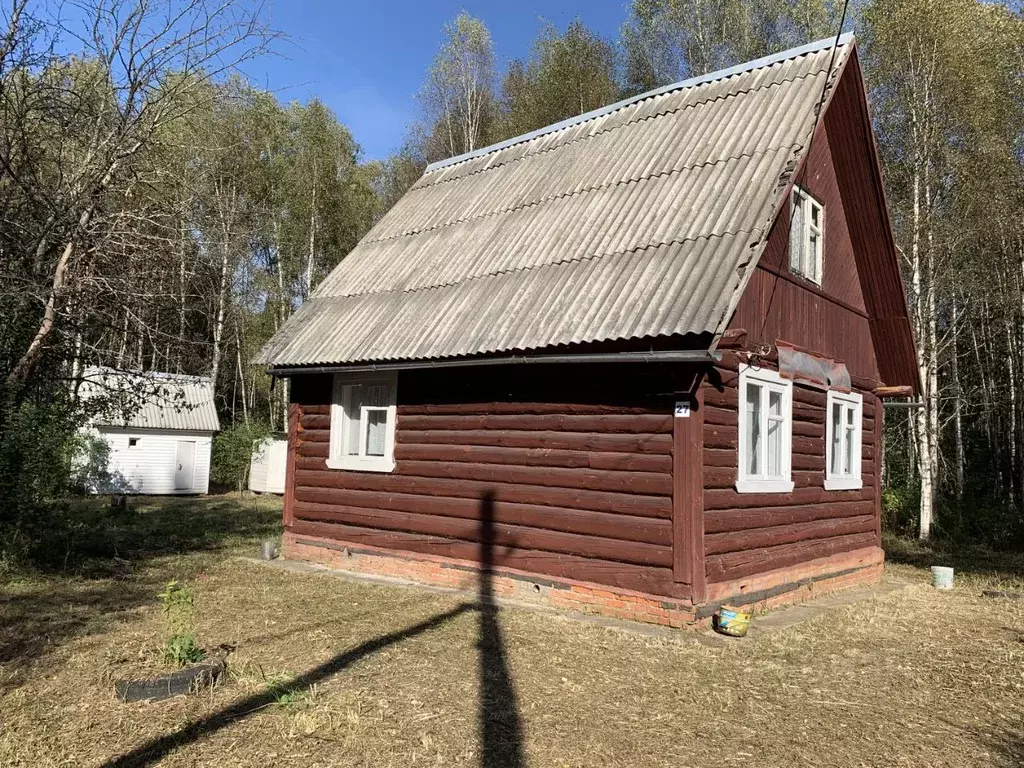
<point>232,452</point>
<point>38,445</point>
<point>900,510</point>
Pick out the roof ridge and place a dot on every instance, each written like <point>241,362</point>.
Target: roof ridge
<point>775,58</point>
<point>605,130</point>
<point>573,260</point>
<point>107,369</point>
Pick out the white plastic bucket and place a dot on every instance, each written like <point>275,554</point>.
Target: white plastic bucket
<point>942,577</point>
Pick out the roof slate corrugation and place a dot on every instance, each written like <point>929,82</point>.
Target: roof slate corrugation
<point>634,222</point>
<point>152,400</point>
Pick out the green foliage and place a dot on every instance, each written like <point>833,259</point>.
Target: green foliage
<point>899,511</point>
<point>38,445</point>
<point>567,74</point>
<point>232,452</point>
<point>181,647</point>
<point>458,99</point>
<point>668,40</point>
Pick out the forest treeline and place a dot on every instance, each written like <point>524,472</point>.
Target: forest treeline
<point>161,212</point>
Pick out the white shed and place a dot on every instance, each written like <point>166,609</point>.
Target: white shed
<point>266,471</point>
<point>158,430</point>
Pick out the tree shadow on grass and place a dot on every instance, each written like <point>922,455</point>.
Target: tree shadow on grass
<point>94,540</point>
<point>39,616</point>
<point>89,569</point>
<point>500,728</point>
<point>158,748</point>
<point>965,558</point>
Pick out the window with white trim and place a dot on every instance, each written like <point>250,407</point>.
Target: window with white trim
<point>843,440</point>
<point>806,236</point>
<point>363,422</point>
<point>765,432</point>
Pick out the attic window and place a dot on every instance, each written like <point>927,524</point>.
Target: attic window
<point>132,442</point>
<point>363,423</point>
<point>806,236</point>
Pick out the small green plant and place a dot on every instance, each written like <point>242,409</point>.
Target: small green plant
<point>181,648</point>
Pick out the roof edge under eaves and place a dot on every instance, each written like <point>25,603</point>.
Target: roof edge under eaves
<point>817,45</point>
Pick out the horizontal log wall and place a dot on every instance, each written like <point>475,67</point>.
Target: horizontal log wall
<point>749,533</point>
<point>578,461</point>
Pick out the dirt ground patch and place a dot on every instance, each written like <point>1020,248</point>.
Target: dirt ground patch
<point>330,672</point>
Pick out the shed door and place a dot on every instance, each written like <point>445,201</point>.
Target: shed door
<point>185,468</point>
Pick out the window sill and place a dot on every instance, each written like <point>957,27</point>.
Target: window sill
<point>764,486</point>
<point>843,484</point>
<point>362,465</point>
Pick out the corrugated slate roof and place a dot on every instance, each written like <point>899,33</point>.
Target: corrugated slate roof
<point>637,220</point>
<point>151,400</point>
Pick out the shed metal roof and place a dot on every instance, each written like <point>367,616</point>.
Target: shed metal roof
<point>638,220</point>
<point>151,400</point>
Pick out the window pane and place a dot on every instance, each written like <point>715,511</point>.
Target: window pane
<point>353,403</point>
<point>796,235</point>
<point>837,438</point>
<point>774,448</point>
<point>376,430</point>
<point>849,452</point>
<point>376,394</point>
<point>811,270</point>
<point>816,215</point>
<point>753,436</point>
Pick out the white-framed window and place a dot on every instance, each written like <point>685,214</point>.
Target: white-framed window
<point>363,422</point>
<point>806,235</point>
<point>765,432</point>
<point>843,440</point>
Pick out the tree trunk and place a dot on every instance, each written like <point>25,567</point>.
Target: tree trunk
<point>27,363</point>
<point>958,428</point>
<point>241,375</point>
<point>312,238</point>
<point>222,290</point>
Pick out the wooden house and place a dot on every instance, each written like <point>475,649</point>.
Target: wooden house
<point>634,360</point>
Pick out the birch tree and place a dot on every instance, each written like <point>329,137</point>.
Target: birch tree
<point>122,97</point>
<point>458,98</point>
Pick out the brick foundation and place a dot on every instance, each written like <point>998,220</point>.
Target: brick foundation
<point>506,583</point>
<point>764,591</point>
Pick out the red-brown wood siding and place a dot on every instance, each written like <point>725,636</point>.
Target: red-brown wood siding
<point>688,496</point>
<point>745,534</point>
<point>859,175</point>
<point>578,459</point>
<point>779,306</point>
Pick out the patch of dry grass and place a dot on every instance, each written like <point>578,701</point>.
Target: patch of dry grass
<point>390,676</point>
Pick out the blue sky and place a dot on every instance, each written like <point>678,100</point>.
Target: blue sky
<point>366,60</point>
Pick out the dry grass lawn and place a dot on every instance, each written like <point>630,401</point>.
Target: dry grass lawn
<point>331,672</point>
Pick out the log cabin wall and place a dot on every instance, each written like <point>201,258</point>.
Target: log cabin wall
<point>830,320</point>
<point>578,459</point>
<point>751,533</point>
